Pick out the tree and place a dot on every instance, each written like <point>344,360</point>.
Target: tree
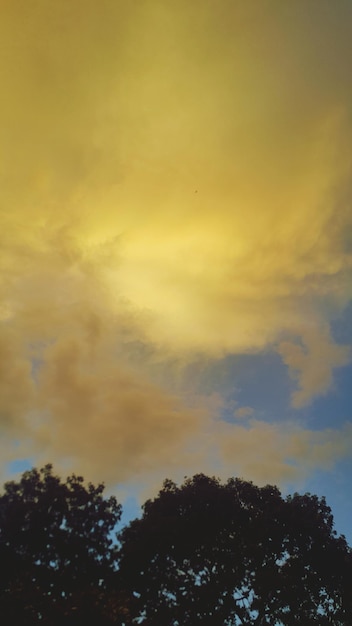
<point>218,554</point>
<point>56,551</point>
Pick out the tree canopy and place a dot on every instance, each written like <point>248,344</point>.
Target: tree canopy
<point>225,554</point>
<point>206,553</point>
<point>56,549</point>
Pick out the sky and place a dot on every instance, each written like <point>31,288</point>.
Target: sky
<point>176,242</point>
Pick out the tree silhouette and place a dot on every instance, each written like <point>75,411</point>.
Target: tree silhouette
<point>56,551</point>
<point>228,554</point>
<point>205,553</point>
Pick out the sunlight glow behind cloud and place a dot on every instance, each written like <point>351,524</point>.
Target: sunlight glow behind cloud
<point>175,180</point>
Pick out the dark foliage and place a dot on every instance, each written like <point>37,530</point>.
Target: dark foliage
<point>205,553</point>
<point>56,551</point>
<point>225,554</point>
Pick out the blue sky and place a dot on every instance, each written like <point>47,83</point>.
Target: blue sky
<point>175,278</point>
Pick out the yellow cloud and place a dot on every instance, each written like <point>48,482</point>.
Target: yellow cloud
<point>175,180</point>
<point>243,411</point>
<point>16,387</point>
<point>311,364</point>
<point>277,453</point>
<point>108,420</point>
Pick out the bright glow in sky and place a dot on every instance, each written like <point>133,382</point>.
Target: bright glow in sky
<point>176,248</point>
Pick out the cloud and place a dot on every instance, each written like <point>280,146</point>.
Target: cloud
<point>16,386</point>
<point>68,391</point>
<point>278,453</point>
<point>243,411</point>
<point>311,364</point>
<point>80,403</point>
<point>112,267</point>
<point>109,421</point>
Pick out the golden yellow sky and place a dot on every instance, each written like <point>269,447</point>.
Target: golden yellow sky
<point>175,179</point>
